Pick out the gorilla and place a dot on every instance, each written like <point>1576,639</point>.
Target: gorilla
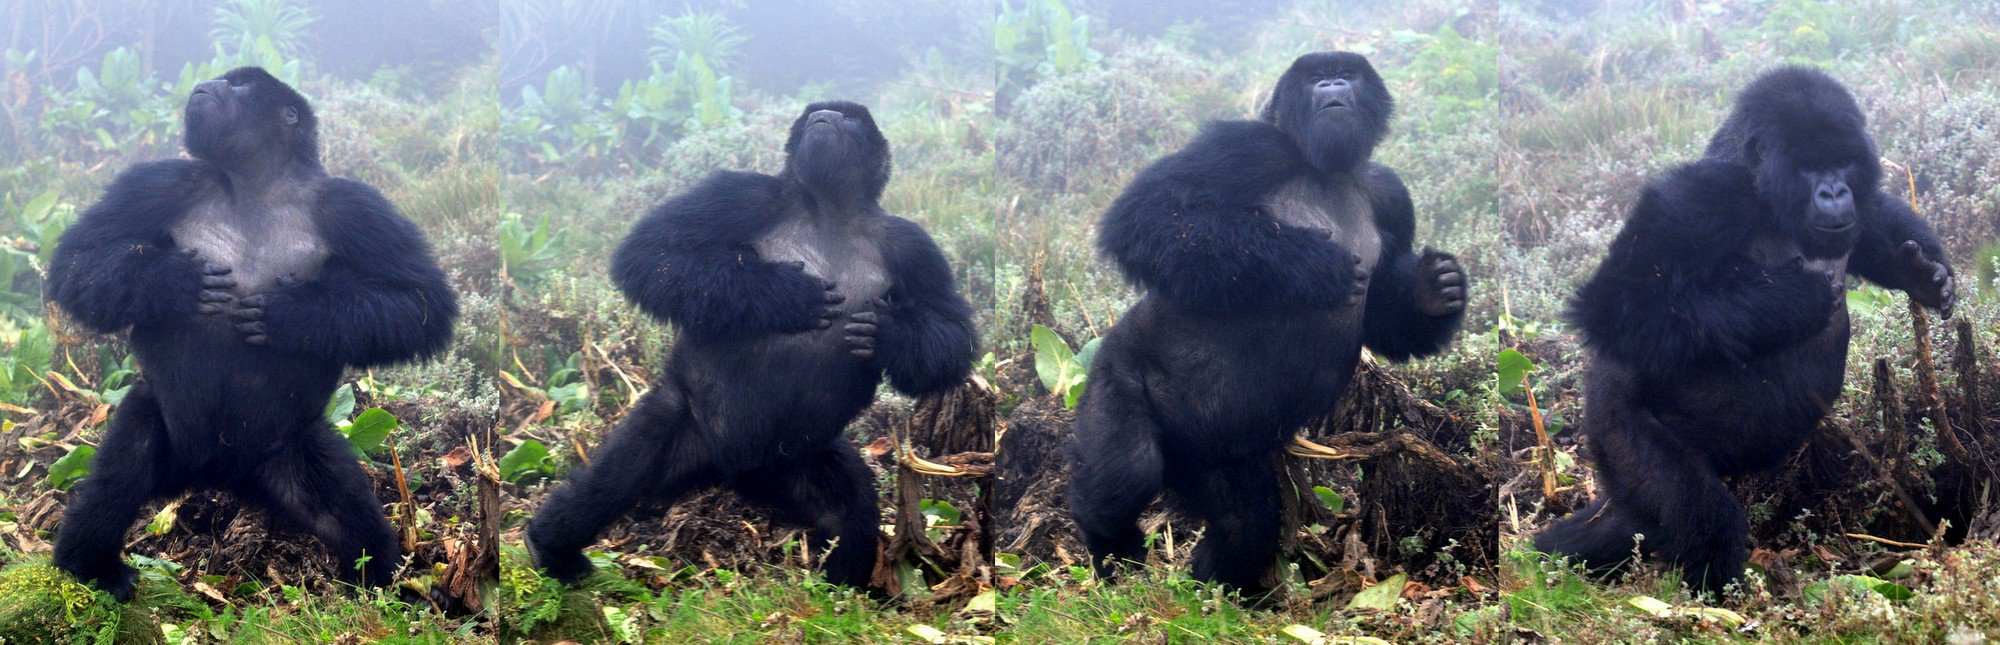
<point>793,296</point>
<point>250,279</point>
<point>1270,252</point>
<point>1718,322</point>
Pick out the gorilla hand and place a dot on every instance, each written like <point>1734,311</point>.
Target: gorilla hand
<point>1930,282</point>
<point>216,286</point>
<point>860,334</point>
<point>820,311</point>
<point>249,313</point>
<point>1440,284</point>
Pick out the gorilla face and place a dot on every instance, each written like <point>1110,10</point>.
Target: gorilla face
<point>835,150</point>
<point>249,117</point>
<point>1335,106</point>
<point>1808,142</point>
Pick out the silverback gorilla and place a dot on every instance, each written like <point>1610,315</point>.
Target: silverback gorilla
<point>1270,252</point>
<point>793,296</point>
<point>250,279</point>
<point>1718,322</point>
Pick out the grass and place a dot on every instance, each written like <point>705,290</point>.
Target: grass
<point>760,604</point>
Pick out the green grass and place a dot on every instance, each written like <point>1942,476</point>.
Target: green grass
<point>762,604</point>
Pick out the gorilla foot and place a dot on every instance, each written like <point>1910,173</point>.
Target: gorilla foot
<point>568,566</point>
<point>120,581</point>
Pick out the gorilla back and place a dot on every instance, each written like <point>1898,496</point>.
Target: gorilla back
<point>1718,322</point>
<point>1270,252</point>
<point>793,296</point>
<point>249,280</point>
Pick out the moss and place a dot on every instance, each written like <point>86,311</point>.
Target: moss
<point>41,604</point>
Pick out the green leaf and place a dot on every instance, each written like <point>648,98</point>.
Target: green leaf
<point>937,512</point>
<point>1818,591</point>
<point>1330,499</point>
<point>163,521</point>
<point>70,469</point>
<point>1512,371</point>
<point>1053,358</point>
<point>370,429</point>
<point>1382,596</point>
<point>341,405</point>
<point>1661,609</point>
<point>1088,356</point>
<point>530,459</point>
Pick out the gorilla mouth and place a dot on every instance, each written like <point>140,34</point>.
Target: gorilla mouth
<point>1330,105</point>
<point>1843,228</point>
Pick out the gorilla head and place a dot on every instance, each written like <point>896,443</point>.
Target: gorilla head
<point>836,151</point>
<point>1809,144</point>
<point>1334,105</point>
<point>233,121</point>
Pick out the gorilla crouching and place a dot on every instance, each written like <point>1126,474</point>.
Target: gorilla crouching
<point>250,279</point>
<point>1270,253</point>
<point>793,296</point>
<point>1718,322</point>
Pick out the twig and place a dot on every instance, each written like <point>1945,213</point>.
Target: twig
<point>1927,388</point>
<point>1871,538</point>
<point>1965,360</point>
<point>1547,456</point>
<point>1892,420</point>
<point>408,515</point>
<point>631,388</point>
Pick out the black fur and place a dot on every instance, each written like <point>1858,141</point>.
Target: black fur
<point>1254,315</point>
<point>1719,326</point>
<point>794,295</point>
<point>234,381</point>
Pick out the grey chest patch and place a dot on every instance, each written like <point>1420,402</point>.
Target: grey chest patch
<point>258,244</point>
<point>849,259</point>
<point>1342,210</point>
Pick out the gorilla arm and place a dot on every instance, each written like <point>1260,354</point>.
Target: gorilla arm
<point>1899,251</point>
<point>118,266</point>
<point>926,340</point>
<point>1191,229</point>
<point>380,298</point>
<point>1677,289</point>
<point>1404,284</point>
<point>690,262</point>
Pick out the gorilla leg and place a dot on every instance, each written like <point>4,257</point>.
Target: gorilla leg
<point>654,454</point>
<point>833,494</point>
<point>1238,499</point>
<point>1651,482</point>
<point>1596,536</point>
<point>315,482</point>
<point>1115,472</point>
<point>128,470</point>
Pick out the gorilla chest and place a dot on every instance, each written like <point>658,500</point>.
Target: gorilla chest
<point>848,254</point>
<point>1340,209</point>
<point>258,243</point>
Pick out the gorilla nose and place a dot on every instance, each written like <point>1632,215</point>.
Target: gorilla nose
<point>823,116</point>
<point>1333,92</point>
<point>1833,207</point>
<point>215,86</point>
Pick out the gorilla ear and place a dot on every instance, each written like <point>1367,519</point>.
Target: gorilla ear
<point>1750,154</point>
<point>291,115</point>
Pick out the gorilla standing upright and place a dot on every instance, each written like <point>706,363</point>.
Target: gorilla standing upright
<point>1718,322</point>
<point>793,295</point>
<point>249,279</point>
<point>1270,252</point>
